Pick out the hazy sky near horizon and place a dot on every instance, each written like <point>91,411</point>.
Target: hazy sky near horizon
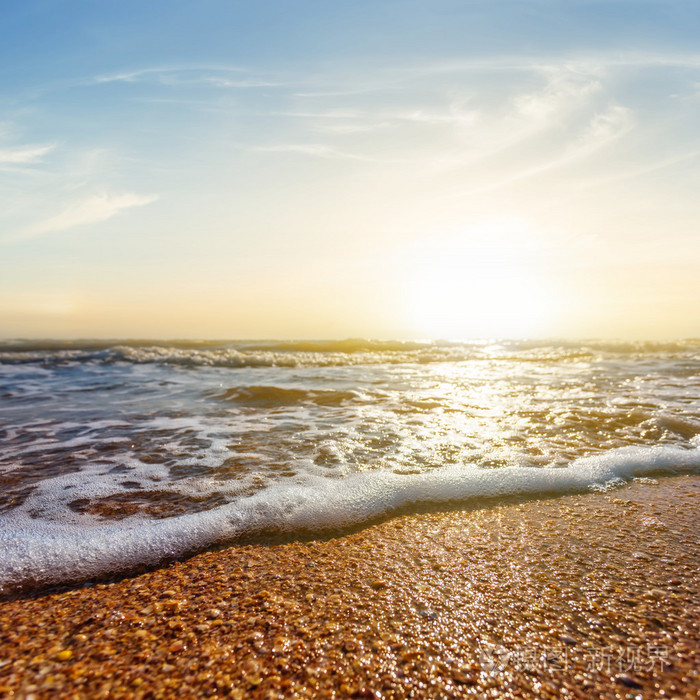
<point>230,169</point>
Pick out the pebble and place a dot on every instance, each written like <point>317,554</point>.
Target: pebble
<point>627,680</point>
<point>300,619</point>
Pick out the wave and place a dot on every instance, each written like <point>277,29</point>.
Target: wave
<point>330,353</point>
<point>238,356</point>
<point>272,396</point>
<point>37,553</point>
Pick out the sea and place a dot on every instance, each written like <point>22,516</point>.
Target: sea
<point>116,455</point>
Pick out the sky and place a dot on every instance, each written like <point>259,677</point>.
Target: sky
<point>311,169</point>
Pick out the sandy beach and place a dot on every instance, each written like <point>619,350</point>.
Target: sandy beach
<point>586,596</point>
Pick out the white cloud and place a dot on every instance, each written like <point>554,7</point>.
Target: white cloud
<point>452,117</point>
<point>606,127</point>
<point>641,171</point>
<point>23,155</point>
<point>133,76</point>
<point>344,128</point>
<point>328,114</point>
<point>602,130</point>
<point>217,81</point>
<point>565,90</point>
<point>584,61</point>
<point>345,121</point>
<point>317,150</point>
<point>350,92</point>
<point>91,210</point>
<point>214,75</point>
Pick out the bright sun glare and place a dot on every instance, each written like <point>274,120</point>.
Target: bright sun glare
<point>484,282</point>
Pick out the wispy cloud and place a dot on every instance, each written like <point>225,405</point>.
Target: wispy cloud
<point>228,83</point>
<point>641,171</point>
<point>451,117</point>
<point>215,76</point>
<point>566,89</point>
<point>89,210</point>
<point>584,61</point>
<point>327,114</point>
<point>315,150</point>
<point>351,127</point>
<point>563,119</point>
<point>602,130</point>
<point>23,155</point>
<point>337,121</point>
<point>132,76</point>
<point>135,75</point>
<point>345,121</point>
<point>350,92</point>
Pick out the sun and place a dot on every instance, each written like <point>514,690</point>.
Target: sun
<point>488,283</point>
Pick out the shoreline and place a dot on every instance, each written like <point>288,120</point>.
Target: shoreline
<point>593,595</point>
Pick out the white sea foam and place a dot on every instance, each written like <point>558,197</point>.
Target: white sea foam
<point>39,552</point>
<point>327,353</point>
<point>224,440</point>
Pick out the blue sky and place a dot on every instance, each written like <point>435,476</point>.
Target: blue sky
<point>326,169</point>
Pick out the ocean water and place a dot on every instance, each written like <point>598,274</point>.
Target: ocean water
<point>114,455</point>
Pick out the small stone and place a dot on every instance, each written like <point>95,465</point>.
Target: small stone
<point>350,645</point>
<point>253,679</point>
<point>463,678</point>
<point>64,655</point>
<point>627,680</point>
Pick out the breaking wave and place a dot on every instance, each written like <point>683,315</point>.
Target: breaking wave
<point>326,353</point>
<point>36,553</point>
<point>116,455</point>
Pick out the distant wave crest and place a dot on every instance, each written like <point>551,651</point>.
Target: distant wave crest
<point>327,353</point>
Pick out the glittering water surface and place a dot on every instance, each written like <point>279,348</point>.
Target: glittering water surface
<point>119,431</point>
<point>134,434</point>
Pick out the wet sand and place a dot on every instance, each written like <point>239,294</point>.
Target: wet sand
<point>582,596</point>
